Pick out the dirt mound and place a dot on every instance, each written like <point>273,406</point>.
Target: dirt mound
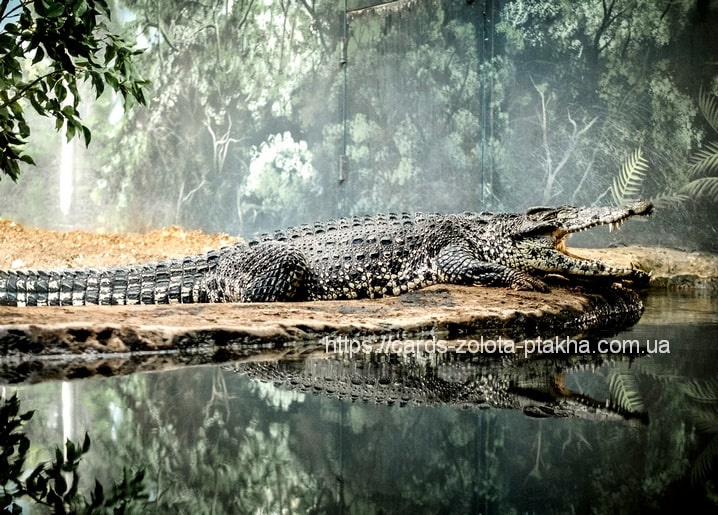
<point>26,247</point>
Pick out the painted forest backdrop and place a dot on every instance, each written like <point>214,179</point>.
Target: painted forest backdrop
<point>263,114</point>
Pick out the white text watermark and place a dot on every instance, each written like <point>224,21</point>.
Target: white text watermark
<point>556,345</point>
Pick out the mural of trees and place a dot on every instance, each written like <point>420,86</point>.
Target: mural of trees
<point>267,114</point>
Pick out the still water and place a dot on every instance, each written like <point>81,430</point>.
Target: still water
<point>290,438</point>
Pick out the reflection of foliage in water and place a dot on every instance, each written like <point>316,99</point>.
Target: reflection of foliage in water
<point>210,459</point>
<point>55,484</point>
<point>698,397</point>
<point>215,442</point>
<point>704,398</point>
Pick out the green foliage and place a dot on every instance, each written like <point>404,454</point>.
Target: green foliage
<point>626,186</point>
<point>55,484</point>
<point>624,392</point>
<point>705,187</point>
<point>281,169</point>
<point>704,396</point>
<point>414,132</point>
<point>431,105</point>
<point>708,104</point>
<point>47,49</point>
<point>708,458</point>
<point>226,77</point>
<point>704,161</point>
<point>623,63</point>
<point>698,398</point>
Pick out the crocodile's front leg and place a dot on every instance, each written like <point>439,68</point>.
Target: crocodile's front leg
<point>457,265</point>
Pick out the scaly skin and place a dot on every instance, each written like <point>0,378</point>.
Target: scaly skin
<point>534,386</point>
<point>349,258</point>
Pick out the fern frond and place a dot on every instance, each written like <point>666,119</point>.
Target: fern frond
<point>624,392</point>
<point>657,371</point>
<point>669,200</point>
<point>703,465</point>
<point>704,391</point>
<point>708,104</point>
<point>708,186</point>
<point>705,421</point>
<point>627,184</point>
<point>704,160</point>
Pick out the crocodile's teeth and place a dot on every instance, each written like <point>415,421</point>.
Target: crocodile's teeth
<point>612,226</point>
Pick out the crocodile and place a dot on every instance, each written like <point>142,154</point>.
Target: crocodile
<point>534,386</point>
<point>349,258</point>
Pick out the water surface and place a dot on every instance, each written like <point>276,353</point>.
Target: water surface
<point>216,441</point>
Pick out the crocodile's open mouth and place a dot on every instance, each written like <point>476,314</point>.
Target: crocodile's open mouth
<point>614,221</point>
<point>560,245</point>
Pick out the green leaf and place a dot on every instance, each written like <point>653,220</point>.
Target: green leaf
<point>24,445</point>
<point>70,39</point>
<point>87,136</point>
<point>54,9</point>
<point>97,83</point>
<point>60,483</point>
<point>79,8</point>
<point>627,184</point>
<point>38,470</point>
<point>70,130</point>
<point>705,187</point>
<point>110,53</point>
<point>70,451</point>
<point>39,55</point>
<point>98,495</point>
<point>625,394</point>
<point>23,128</point>
<point>70,112</point>
<point>704,160</point>
<point>59,458</point>
<point>60,91</point>
<point>27,159</point>
<point>708,104</point>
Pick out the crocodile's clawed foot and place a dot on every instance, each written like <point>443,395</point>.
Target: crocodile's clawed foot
<point>529,283</point>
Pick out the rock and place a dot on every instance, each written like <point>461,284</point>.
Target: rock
<point>52,342</point>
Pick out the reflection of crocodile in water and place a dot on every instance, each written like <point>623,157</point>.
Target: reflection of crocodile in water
<point>347,258</point>
<point>535,386</point>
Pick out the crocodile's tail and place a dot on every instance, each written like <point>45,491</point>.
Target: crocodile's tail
<point>165,282</point>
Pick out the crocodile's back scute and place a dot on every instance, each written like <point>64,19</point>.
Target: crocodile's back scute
<point>363,257</point>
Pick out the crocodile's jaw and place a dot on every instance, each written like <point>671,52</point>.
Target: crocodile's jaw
<point>552,257</point>
<point>547,252</point>
<point>570,220</point>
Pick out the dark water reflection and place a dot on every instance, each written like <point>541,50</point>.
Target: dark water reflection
<point>215,441</point>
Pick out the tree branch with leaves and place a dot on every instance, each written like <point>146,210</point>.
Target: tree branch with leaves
<point>47,49</point>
